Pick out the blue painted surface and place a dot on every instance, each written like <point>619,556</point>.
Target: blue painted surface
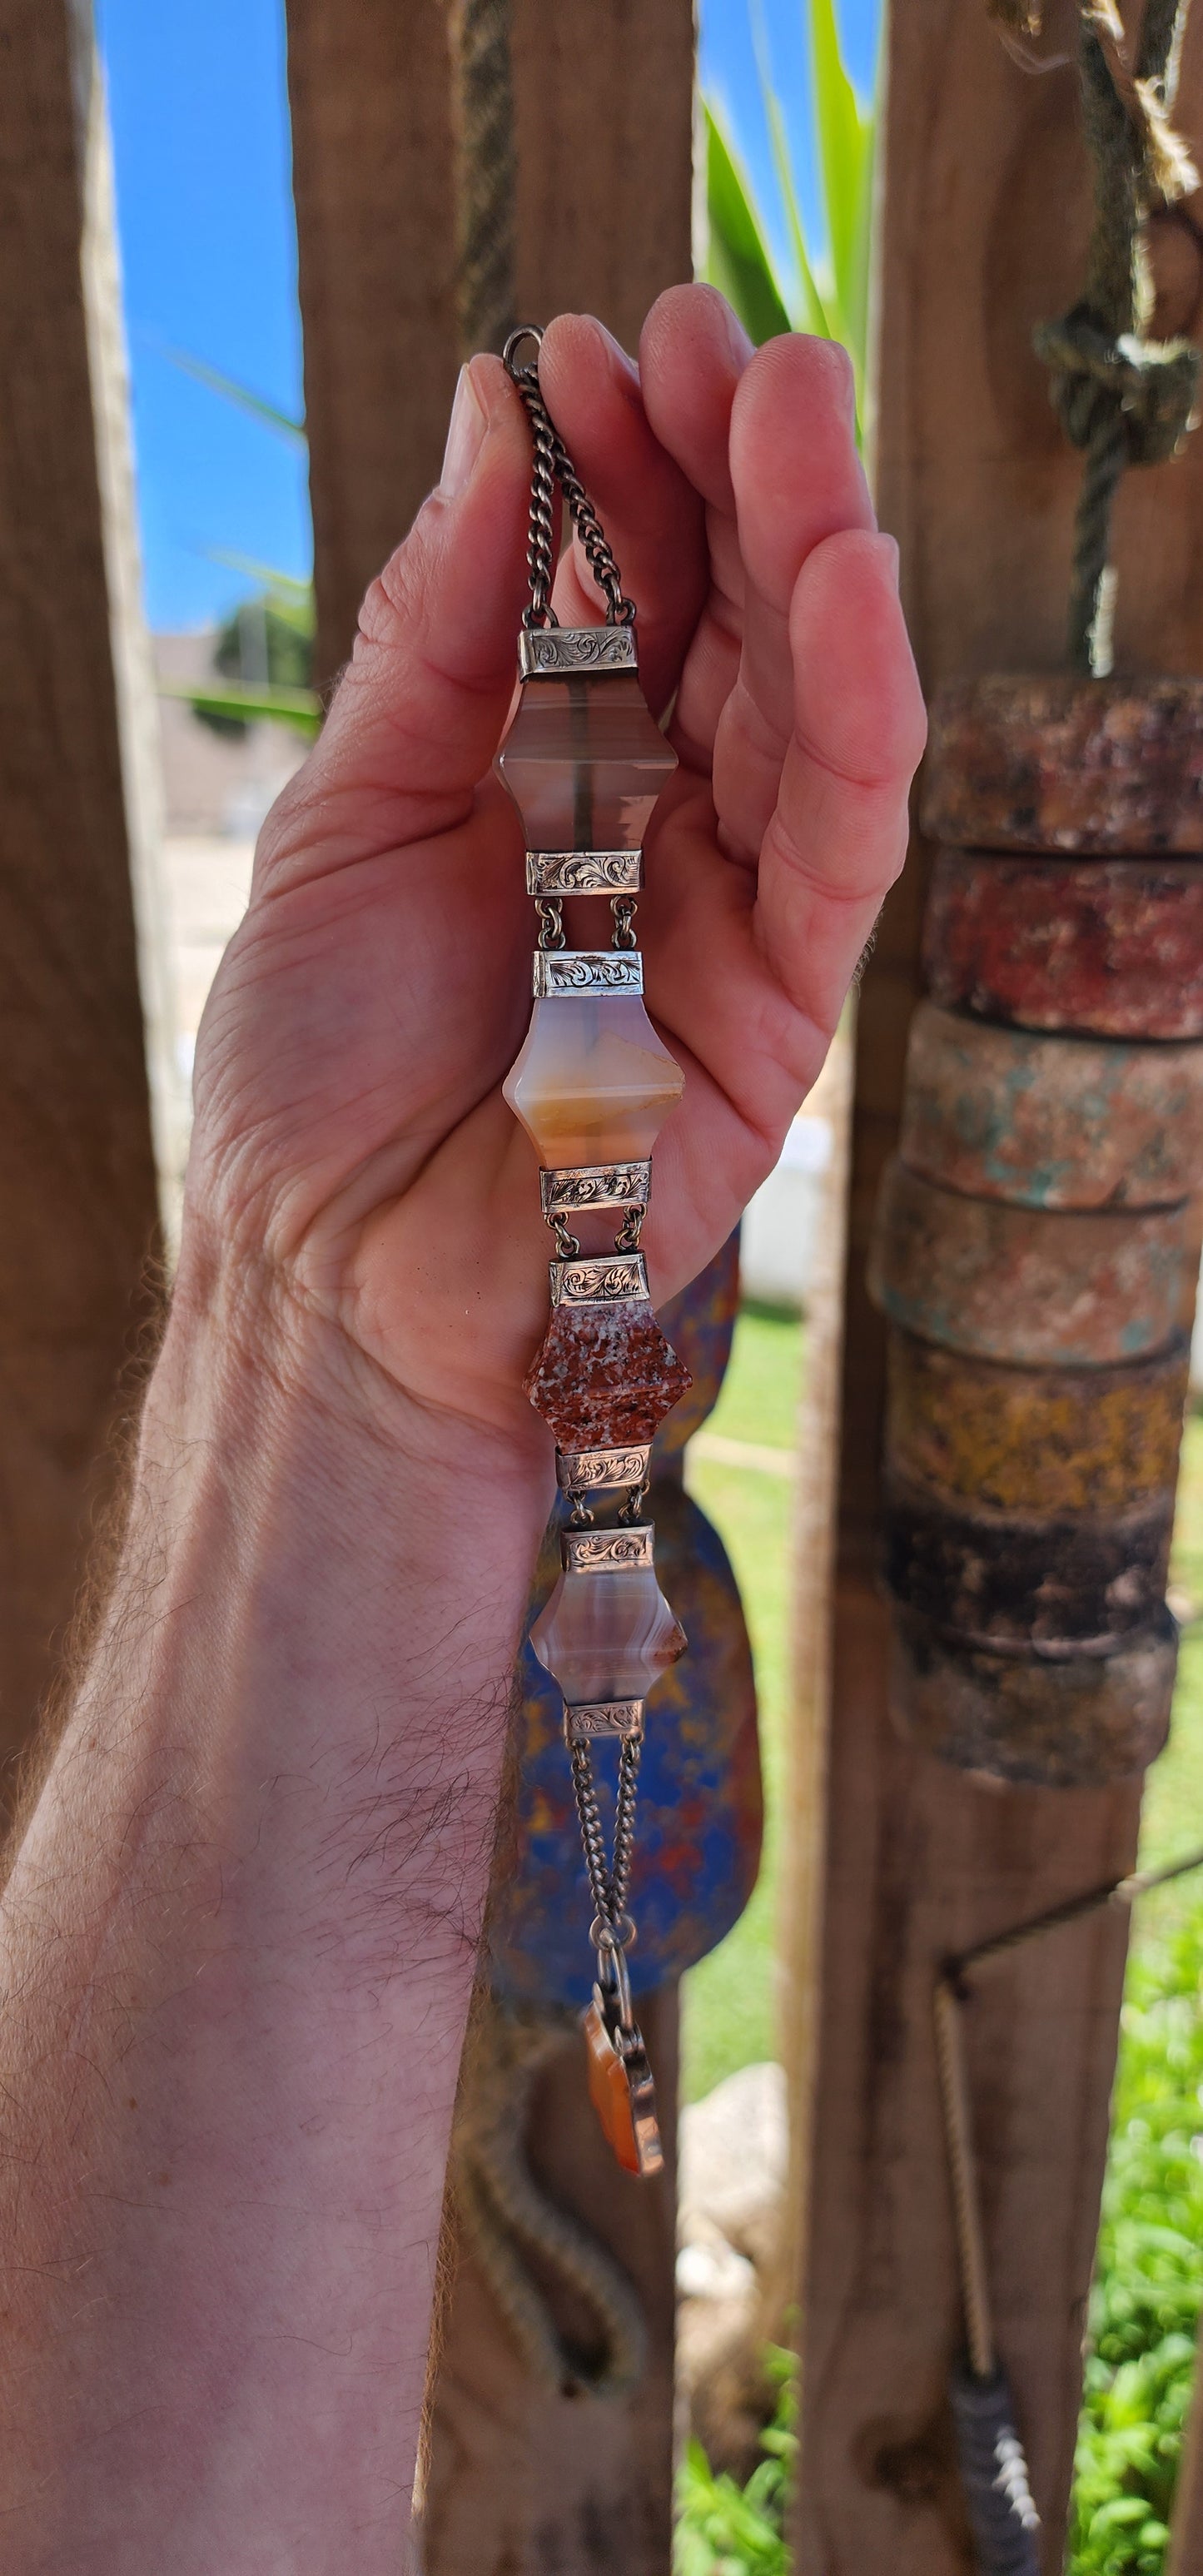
<point>700,1813</point>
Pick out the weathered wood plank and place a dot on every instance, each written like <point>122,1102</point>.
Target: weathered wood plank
<point>603,107</point>
<point>374,183</point>
<point>982,234</point>
<point>1185,2554</point>
<point>77,1178</point>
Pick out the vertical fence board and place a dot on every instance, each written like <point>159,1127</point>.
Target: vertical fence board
<point>603,114</point>
<point>603,104</point>
<point>603,108</point>
<point>983,229</point>
<point>77,1178</point>
<point>374,183</point>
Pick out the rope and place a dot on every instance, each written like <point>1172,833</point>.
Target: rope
<point>967,2215</point>
<point>993,2467</point>
<point>1113,1891</point>
<point>951,1995</point>
<point>486,175</point>
<point>508,2216</point>
<point>1124,399</point>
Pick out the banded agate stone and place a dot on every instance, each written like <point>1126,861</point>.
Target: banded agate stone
<point>607,1635</point>
<point>584,761</point>
<point>593,1084</point>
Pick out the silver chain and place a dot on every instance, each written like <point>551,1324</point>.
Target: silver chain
<point>609,1880</point>
<point>553,465</point>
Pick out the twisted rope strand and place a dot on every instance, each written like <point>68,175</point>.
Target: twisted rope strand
<point>507,2214</point>
<point>487,174</point>
<point>1124,399</point>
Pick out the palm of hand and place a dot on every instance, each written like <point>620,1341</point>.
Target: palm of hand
<point>351,1134</point>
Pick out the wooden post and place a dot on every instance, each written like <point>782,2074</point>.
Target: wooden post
<point>603,105</point>
<point>983,226</point>
<point>1185,2554</point>
<point>603,114</point>
<point>77,1175</point>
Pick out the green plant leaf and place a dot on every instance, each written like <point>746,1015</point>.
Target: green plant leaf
<point>282,585</point>
<point>739,263</point>
<point>271,703</point>
<point>814,315</point>
<point>844,134</point>
<point>232,391</point>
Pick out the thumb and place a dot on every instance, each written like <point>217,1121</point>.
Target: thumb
<point>420,707</point>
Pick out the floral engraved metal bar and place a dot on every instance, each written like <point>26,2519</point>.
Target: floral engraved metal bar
<point>584,762</point>
<point>603,1717</point>
<point>596,1551</point>
<point>595,1185</point>
<point>584,872</point>
<point>585,970</point>
<point>604,1282</point>
<point>550,651</point>
<point>580,1471</point>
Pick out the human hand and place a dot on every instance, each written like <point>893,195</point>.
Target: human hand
<point>352,1147</point>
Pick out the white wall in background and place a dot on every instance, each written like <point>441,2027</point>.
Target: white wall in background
<point>781,1226</point>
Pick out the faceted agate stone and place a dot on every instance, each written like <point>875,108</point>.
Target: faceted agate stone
<point>593,1083</point>
<point>607,1633</point>
<point>605,1375</point>
<point>584,762</point>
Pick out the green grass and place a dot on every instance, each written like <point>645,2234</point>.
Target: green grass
<point>1148,2286</point>
<point>727,2001</point>
<point>1172,1817</point>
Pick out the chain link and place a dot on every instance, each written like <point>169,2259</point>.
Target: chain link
<point>608,1881</point>
<point>550,909</point>
<point>552,465</point>
<point>623,908</point>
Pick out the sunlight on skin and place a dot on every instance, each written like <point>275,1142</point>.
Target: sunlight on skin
<point>240,1931</point>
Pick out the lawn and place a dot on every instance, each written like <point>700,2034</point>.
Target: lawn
<point>728,2000</point>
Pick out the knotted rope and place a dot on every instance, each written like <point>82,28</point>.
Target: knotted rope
<point>1124,399</point>
<point>508,2216</point>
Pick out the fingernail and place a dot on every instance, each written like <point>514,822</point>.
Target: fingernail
<point>621,366</point>
<point>465,436</point>
<point>890,553</point>
<point>739,347</point>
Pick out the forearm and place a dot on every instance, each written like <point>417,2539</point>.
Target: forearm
<point>239,1941</point>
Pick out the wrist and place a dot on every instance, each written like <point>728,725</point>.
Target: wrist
<point>245,1344</point>
<point>313,1630</point>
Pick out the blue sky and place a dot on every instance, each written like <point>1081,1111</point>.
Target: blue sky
<point>198,104</point>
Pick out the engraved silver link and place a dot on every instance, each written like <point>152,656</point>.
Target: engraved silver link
<point>612,1930</point>
<point>552,465</point>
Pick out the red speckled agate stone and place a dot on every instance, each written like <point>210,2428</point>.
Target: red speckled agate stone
<point>605,1375</point>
